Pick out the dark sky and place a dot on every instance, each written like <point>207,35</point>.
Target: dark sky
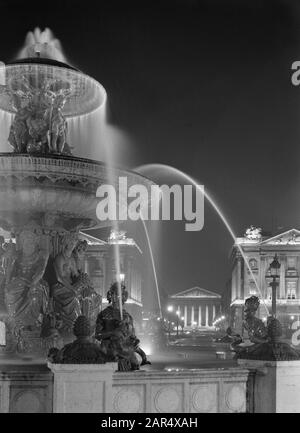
<point>204,86</point>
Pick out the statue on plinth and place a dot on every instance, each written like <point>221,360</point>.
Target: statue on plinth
<point>261,342</point>
<point>116,334</point>
<point>73,294</point>
<point>81,351</point>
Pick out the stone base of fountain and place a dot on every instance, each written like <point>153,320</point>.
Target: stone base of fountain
<point>276,387</point>
<point>82,388</point>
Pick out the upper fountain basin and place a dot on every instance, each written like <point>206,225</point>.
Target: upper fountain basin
<point>43,77</point>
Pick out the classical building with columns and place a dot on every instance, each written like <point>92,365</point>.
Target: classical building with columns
<point>254,278</point>
<point>100,265</point>
<point>197,307</point>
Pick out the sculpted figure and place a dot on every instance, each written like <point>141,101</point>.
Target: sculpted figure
<point>265,341</point>
<point>64,292</point>
<point>26,293</point>
<point>18,134</point>
<point>58,125</point>
<point>117,336</point>
<point>39,125</point>
<point>73,294</point>
<point>81,351</point>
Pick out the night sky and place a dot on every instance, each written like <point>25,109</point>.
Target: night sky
<point>204,86</point>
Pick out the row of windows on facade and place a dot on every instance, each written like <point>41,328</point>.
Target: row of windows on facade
<point>290,292</point>
<point>291,262</point>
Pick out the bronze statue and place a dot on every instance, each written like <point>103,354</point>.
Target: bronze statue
<point>39,125</point>
<point>81,351</point>
<point>26,293</point>
<point>265,341</point>
<point>73,294</point>
<point>116,334</point>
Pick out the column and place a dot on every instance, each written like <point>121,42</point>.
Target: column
<point>281,292</point>
<point>193,314</point>
<point>199,317</point>
<point>239,278</point>
<point>206,315</point>
<point>185,316</point>
<point>214,312</point>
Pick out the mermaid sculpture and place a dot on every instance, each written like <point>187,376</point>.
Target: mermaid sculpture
<point>116,334</point>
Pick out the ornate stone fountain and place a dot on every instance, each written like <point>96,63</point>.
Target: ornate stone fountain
<point>46,196</point>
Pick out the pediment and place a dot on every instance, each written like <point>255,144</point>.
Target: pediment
<point>196,292</point>
<point>290,237</point>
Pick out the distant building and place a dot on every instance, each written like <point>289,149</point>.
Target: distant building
<point>196,306</point>
<point>260,251</point>
<point>101,267</point>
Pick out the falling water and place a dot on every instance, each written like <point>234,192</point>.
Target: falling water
<point>153,267</point>
<point>149,167</point>
<point>44,42</point>
<point>109,158</point>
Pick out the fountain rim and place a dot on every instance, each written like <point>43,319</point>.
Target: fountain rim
<point>42,61</point>
<point>76,159</point>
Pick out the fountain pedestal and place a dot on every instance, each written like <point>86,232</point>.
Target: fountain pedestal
<point>82,388</point>
<point>276,387</point>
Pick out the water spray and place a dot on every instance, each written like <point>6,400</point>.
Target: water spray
<point>153,267</point>
<point>219,212</point>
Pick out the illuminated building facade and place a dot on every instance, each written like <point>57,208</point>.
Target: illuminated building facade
<point>260,251</point>
<point>100,265</point>
<point>196,307</point>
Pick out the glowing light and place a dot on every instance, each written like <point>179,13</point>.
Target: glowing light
<point>264,319</point>
<point>147,349</point>
<point>292,317</point>
<point>170,308</point>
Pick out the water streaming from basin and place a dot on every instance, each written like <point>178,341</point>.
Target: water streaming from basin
<point>148,169</point>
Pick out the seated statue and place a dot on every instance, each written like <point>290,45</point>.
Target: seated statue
<point>26,293</point>
<point>264,341</point>
<point>116,334</point>
<point>73,294</point>
<point>81,351</point>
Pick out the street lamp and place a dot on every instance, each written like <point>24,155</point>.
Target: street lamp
<point>170,308</point>
<point>274,270</point>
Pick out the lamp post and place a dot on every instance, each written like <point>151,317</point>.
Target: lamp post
<point>274,270</point>
<point>169,310</point>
